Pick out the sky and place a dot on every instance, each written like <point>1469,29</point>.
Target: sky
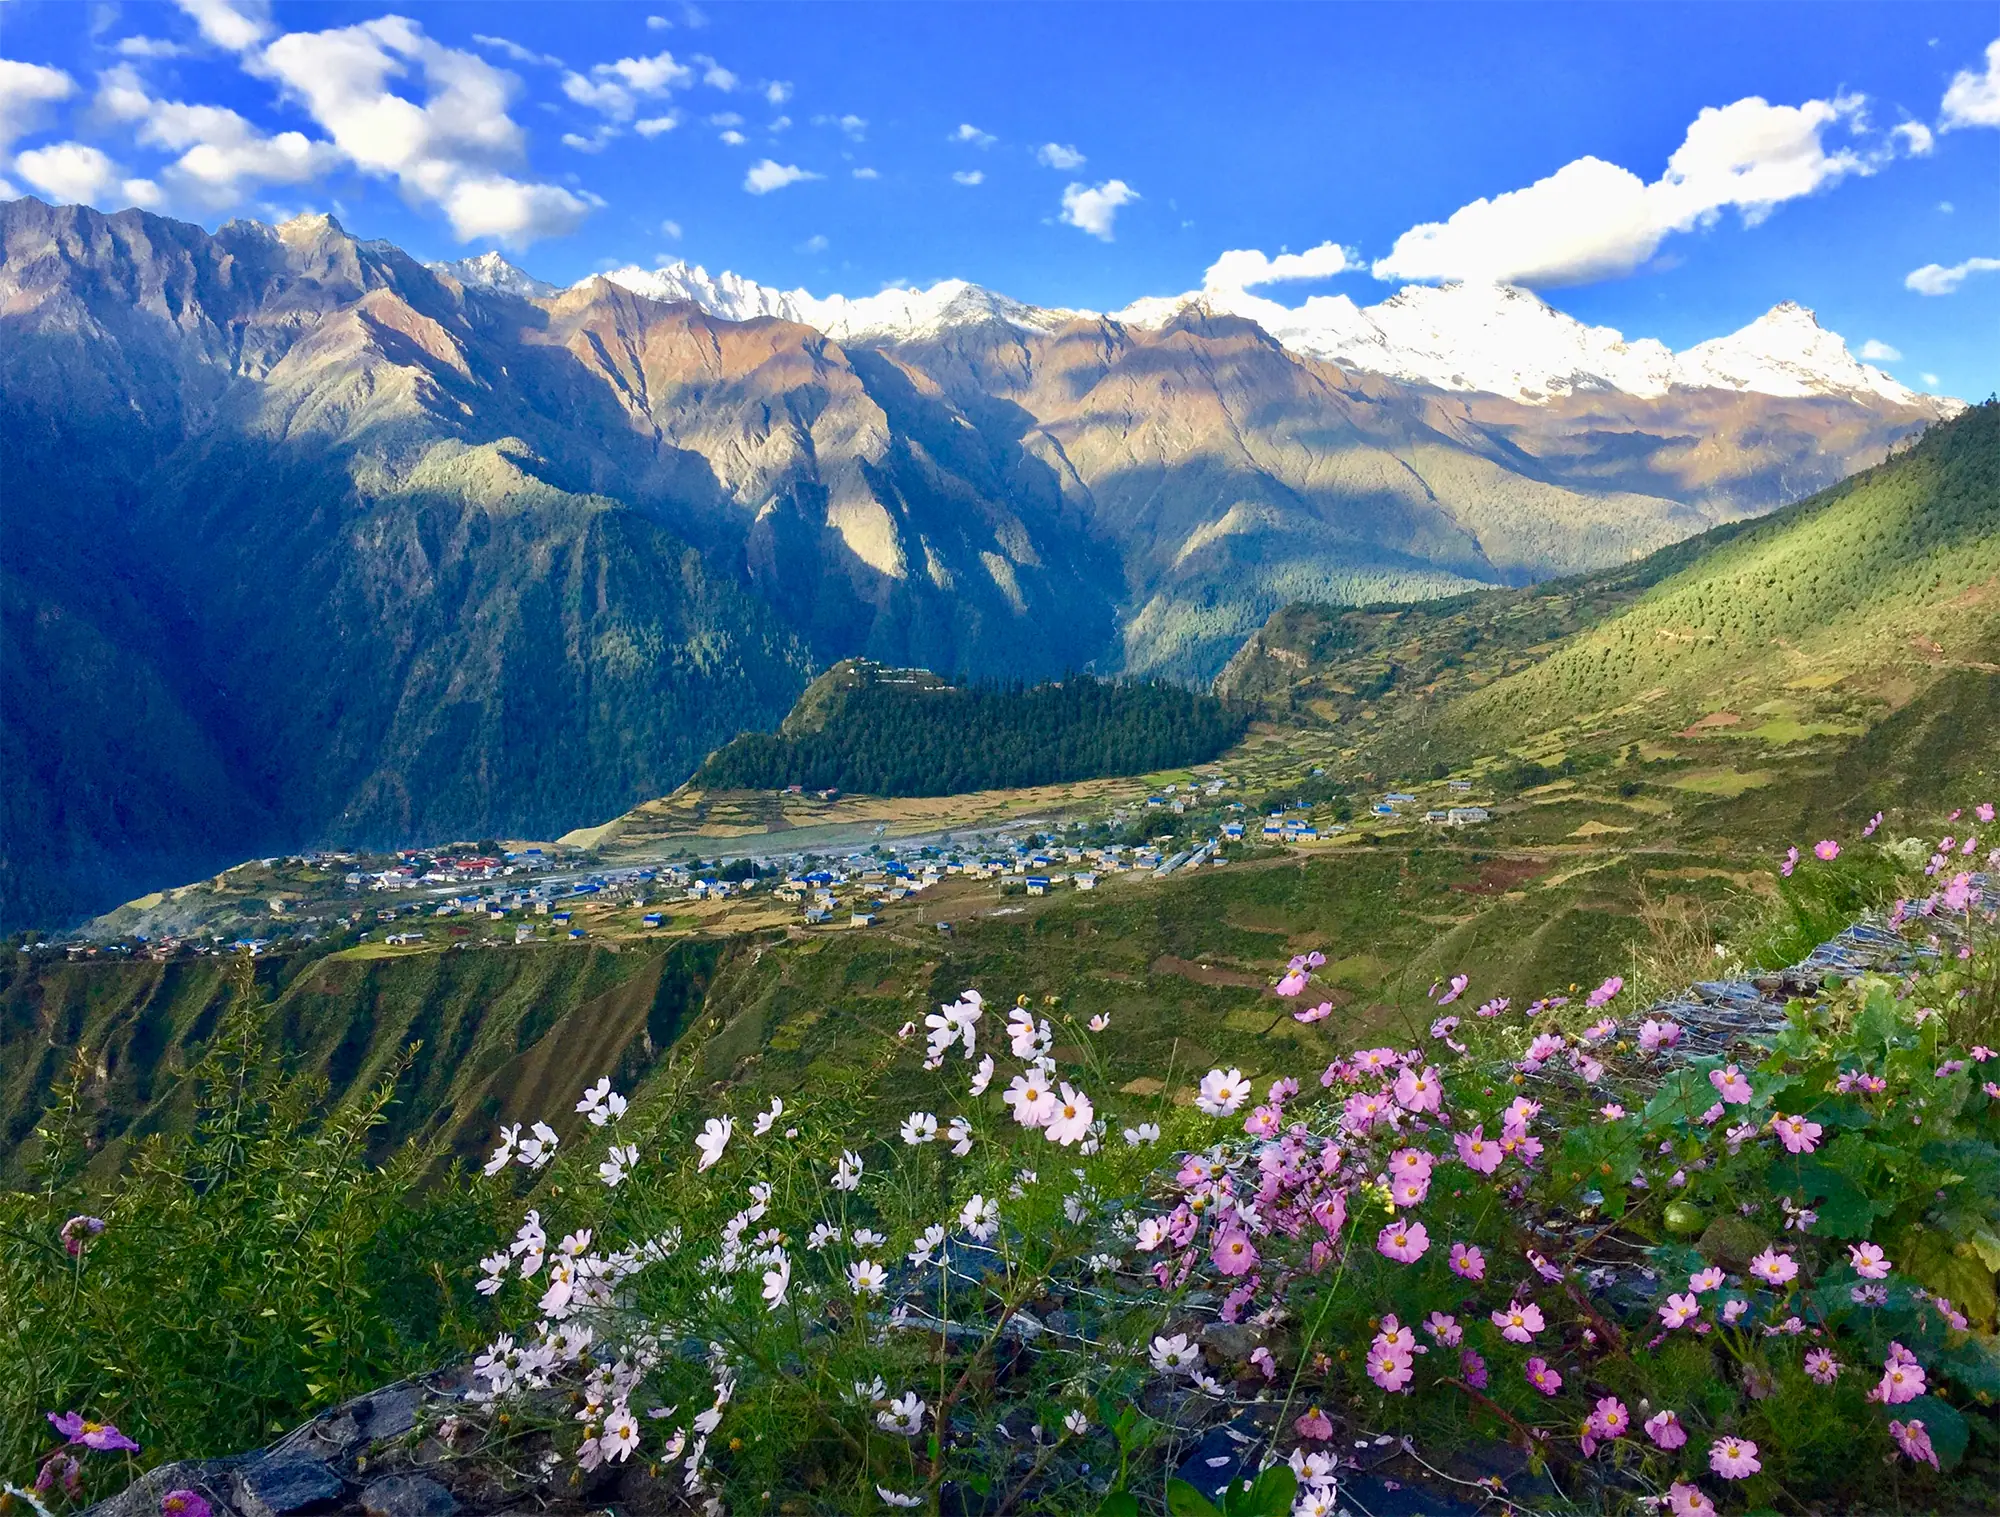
<point>1672,171</point>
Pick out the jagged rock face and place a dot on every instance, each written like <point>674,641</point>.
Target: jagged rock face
<point>322,545</point>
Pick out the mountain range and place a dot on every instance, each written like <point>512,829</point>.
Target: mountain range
<point>311,543</point>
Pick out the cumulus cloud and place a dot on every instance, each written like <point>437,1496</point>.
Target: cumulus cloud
<point>967,132</point>
<point>778,91</point>
<point>732,137</point>
<point>223,156</point>
<point>816,243</point>
<point>454,149</point>
<point>508,48</point>
<point>594,142</point>
<point>1932,278</point>
<point>671,229</point>
<point>1246,268</point>
<point>150,47</point>
<point>1915,136</point>
<point>653,126</point>
<point>1058,156</point>
<point>1093,208</point>
<point>714,74</point>
<point>969,176</point>
<point>766,175</point>
<point>74,173</point>
<point>27,90</point>
<point>658,24</point>
<point>1879,352</point>
<point>236,25</point>
<point>866,174</point>
<point>1973,99</point>
<point>616,89</point>
<point>1595,220</point>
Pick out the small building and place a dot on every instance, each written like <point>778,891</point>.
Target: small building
<point>1086,881</point>
<point>1038,884</point>
<point>575,933</point>
<point>1466,816</point>
<point>1459,787</point>
<point>1382,808</point>
<point>862,919</point>
<point>524,933</point>
<point>654,919</point>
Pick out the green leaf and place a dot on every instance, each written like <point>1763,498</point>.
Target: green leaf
<point>1975,1365</point>
<point>1272,1494</point>
<point>1119,1504</point>
<point>1844,1210</point>
<point>1183,1500</point>
<point>1941,1420</point>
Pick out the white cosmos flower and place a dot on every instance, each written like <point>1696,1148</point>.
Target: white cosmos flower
<point>1145,1132</point>
<point>1099,1022</point>
<point>897,1498</point>
<point>1075,1421</point>
<point>928,1243</point>
<point>871,1390</point>
<point>1175,1355</point>
<point>619,1164</point>
<point>905,1415</point>
<point>593,1096</point>
<point>777,1281</point>
<point>765,1119</point>
<point>866,1278</point>
<point>494,1267</point>
<point>1071,1119</point>
<point>982,1076</point>
<point>1152,1233</point>
<point>713,1138</point>
<point>868,1238</point>
<point>1032,1099</point>
<point>960,1136</point>
<point>980,1217</point>
<point>1316,1501</point>
<point>620,1435</point>
<point>510,1137</point>
<point>1222,1093</point>
<point>1209,1385</point>
<point>847,1172</point>
<point>821,1235</point>
<point>919,1127</point>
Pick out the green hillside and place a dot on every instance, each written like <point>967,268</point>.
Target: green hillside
<point>905,732</point>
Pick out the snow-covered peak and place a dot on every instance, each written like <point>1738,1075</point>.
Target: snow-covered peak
<point>489,271</point>
<point>1787,352</point>
<point>896,314</point>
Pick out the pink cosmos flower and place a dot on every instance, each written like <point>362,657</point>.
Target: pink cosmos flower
<point>1234,1253</point>
<point>1665,1429</point>
<point>1293,981</point>
<point>1390,1369</point>
<point>1902,1380</point>
<point>1705,1280</point>
<point>1264,1363</point>
<point>1730,1085</point>
<point>1467,1262</point>
<point>1873,822</point>
<point>1797,1134</point>
<point>1914,1441</point>
<point>184,1503</point>
<point>1477,1150</point>
<point>1264,1122</point>
<point>1411,1191</point>
<point>1679,1310</point>
<point>1732,1309</point>
<point>1519,1322</point>
<point>1733,1458</point>
<point>78,1231</point>
<point>1404,1242</point>
<point>1791,862</point>
<point>1417,1091</point>
<point>1869,1262</point>
<point>1444,1327</point>
<point>1317,1013</point>
<point>1473,1369</point>
<point>1609,1419</point>
<point>1458,984</point>
<point>1315,1425</point>
<point>1655,1035</point>
<point>1605,992</point>
<point>1774,1267</point>
<point>1411,1163</point>
<point>1826,849</point>
<point>1393,1335</point>
<point>1984,811</point>
<point>1542,1377</point>
<point>1822,1367</point>
<point>1494,1007</point>
<point>1685,1500</point>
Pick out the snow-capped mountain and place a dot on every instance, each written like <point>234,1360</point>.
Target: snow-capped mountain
<point>1490,339</point>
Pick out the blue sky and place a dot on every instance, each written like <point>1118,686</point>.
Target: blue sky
<point>1672,171</point>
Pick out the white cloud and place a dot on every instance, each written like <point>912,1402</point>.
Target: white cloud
<point>1946,207</point>
<point>1879,352</point>
<point>866,174</point>
<point>713,73</point>
<point>1917,138</point>
<point>1056,156</point>
<point>658,24</point>
<point>653,126</point>
<point>778,91</point>
<point>594,143</point>
<point>1594,220</point>
<point>725,118</point>
<point>1932,278</point>
<point>671,229</point>
<point>816,243</point>
<point>778,124</point>
<point>223,156</point>
<point>967,132</point>
<point>237,26</point>
<point>767,175</point>
<point>509,48</point>
<point>1930,381</point>
<point>733,137</point>
<point>1973,99</point>
<point>1246,268</point>
<point>969,176</point>
<point>27,90</point>
<point>74,173</point>
<point>150,47</point>
<point>854,126</point>
<point>616,88</point>
<point>1094,209</point>
<point>451,151</point>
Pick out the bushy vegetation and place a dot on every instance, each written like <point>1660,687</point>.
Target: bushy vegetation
<point>928,738</point>
<point>1669,1263</point>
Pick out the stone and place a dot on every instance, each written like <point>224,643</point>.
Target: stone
<point>1732,1242</point>
<point>1231,1341</point>
<point>278,1484</point>
<point>408,1496</point>
<point>142,1497</point>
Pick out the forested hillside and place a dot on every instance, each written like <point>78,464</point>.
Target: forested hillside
<point>899,732</point>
